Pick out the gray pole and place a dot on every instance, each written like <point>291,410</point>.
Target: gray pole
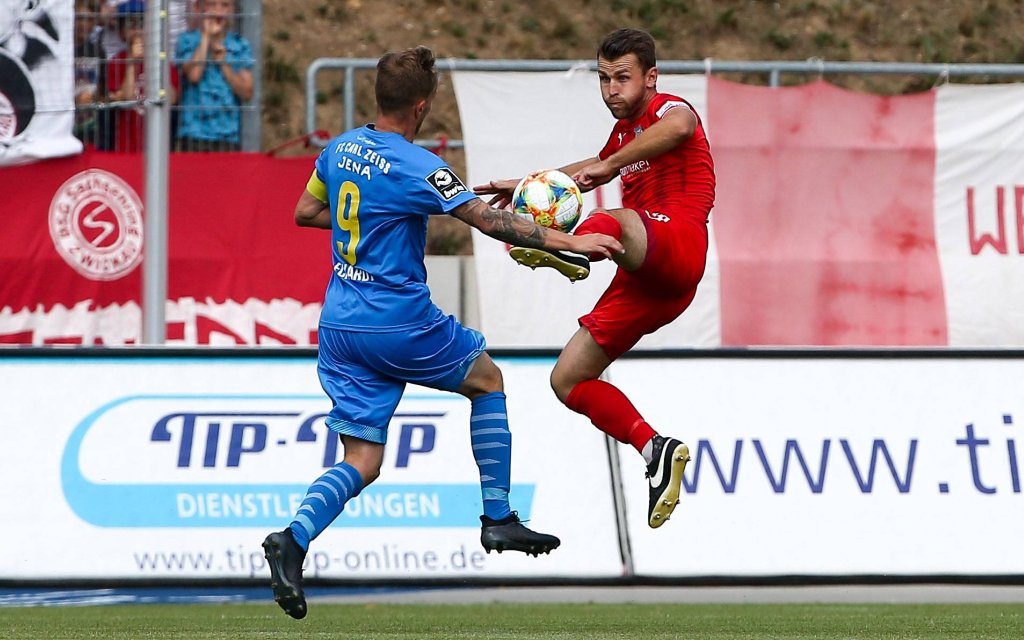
<point>154,265</point>
<point>251,27</point>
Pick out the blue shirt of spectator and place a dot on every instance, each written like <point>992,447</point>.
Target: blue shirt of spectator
<point>210,109</point>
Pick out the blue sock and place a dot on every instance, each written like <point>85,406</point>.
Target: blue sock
<point>324,502</point>
<point>492,448</point>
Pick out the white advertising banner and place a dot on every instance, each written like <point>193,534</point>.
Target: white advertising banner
<point>515,123</point>
<point>818,466</point>
<point>37,106</point>
<point>177,468</point>
<point>979,211</point>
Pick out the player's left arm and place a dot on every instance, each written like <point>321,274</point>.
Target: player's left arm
<point>313,208</point>
<point>503,189</point>
<point>677,125</point>
<point>311,212</point>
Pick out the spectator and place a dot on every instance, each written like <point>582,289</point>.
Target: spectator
<point>110,37</point>
<point>125,79</point>
<point>179,19</point>
<point>90,74</point>
<point>217,65</point>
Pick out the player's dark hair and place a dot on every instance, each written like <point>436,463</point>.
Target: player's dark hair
<point>625,41</point>
<point>403,77</point>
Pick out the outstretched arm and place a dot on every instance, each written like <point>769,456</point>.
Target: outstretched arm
<point>576,167</point>
<point>676,125</point>
<point>516,230</point>
<point>502,189</point>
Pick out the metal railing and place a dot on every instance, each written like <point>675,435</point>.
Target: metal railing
<point>773,69</point>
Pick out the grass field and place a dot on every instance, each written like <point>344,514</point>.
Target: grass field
<point>518,621</point>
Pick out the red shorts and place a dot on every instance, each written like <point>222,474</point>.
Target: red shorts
<point>640,302</point>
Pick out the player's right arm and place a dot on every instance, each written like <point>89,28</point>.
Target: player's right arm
<point>313,208</point>
<point>502,189</point>
<point>516,230</point>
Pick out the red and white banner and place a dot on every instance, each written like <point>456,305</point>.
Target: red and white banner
<point>239,270</point>
<point>841,218</point>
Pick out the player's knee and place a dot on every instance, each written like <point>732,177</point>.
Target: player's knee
<point>491,380</point>
<point>370,475</point>
<point>484,377</point>
<point>368,470</point>
<point>561,384</point>
<point>365,457</point>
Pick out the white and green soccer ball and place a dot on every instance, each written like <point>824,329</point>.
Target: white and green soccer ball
<point>550,198</point>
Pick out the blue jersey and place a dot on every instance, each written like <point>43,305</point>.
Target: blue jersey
<point>381,189</point>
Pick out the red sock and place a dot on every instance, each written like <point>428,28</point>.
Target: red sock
<point>610,411</point>
<point>599,222</point>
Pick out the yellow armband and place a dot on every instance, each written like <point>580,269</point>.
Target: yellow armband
<point>316,187</point>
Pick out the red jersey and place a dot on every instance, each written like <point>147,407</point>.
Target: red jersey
<point>681,179</point>
<point>129,128</point>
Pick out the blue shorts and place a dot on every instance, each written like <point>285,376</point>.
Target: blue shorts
<point>364,374</point>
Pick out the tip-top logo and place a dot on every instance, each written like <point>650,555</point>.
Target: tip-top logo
<point>96,225</point>
<point>190,461</point>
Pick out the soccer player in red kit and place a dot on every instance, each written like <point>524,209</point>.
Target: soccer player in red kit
<point>659,150</point>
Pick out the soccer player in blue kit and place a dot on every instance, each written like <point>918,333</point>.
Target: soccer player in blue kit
<point>375,189</point>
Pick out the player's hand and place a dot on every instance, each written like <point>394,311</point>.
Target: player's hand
<point>218,51</point>
<point>501,189</point>
<point>594,175</point>
<point>599,243</point>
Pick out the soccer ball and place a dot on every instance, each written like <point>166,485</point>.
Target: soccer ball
<point>549,198</point>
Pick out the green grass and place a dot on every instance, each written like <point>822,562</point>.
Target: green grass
<point>516,621</point>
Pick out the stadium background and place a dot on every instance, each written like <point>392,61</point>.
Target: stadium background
<point>770,31</point>
<point>944,31</point>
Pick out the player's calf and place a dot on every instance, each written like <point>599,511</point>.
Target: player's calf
<point>600,221</point>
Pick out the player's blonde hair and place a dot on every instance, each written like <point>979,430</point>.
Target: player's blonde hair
<point>404,77</point>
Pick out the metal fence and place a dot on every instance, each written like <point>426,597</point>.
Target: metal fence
<point>774,70</point>
<point>216,79</point>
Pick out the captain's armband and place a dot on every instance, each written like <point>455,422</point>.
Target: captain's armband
<point>316,187</point>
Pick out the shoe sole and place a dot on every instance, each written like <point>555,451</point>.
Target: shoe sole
<point>534,551</point>
<point>286,595</point>
<point>534,258</point>
<point>668,500</point>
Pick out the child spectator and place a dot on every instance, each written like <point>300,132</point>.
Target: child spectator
<point>125,79</point>
<point>217,65</point>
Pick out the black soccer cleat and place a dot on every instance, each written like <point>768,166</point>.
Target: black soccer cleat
<point>285,557</point>
<point>665,475</point>
<point>509,534</point>
<point>571,266</point>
